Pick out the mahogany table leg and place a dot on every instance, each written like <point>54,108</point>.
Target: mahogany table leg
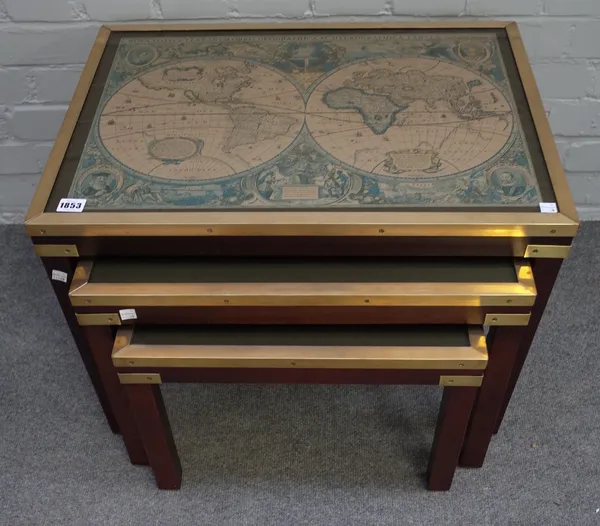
<point>453,419</point>
<point>545,272</point>
<point>61,290</point>
<point>503,347</point>
<point>101,339</point>
<point>148,410</point>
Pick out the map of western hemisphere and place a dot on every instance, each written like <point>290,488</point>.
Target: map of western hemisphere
<point>290,120</point>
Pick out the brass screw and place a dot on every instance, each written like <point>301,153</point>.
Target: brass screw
<point>149,378</point>
<point>67,250</point>
<point>494,320</point>
<point>110,319</point>
<point>535,251</point>
<point>42,231</point>
<point>553,231</point>
<point>461,364</point>
<point>131,362</point>
<point>225,301</point>
<point>367,301</point>
<point>209,230</point>
<point>381,231</point>
<point>88,301</point>
<point>450,381</point>
<point>508,301</point>
<point>293,364</point>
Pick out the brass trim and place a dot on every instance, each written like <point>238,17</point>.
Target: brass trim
<point>139,378</point>
<point>512,320</point>
<point>44,188</point>
<point>474,357</point>
<point>81,275</point>
<point>99,319</point>
<point>525,275</point>
<point>123,338</point>
<point>477,339</point>
<point>55,251</point>
<point>550,153</point>
<point>302,294</point>
<point>547,251</point>
<point>461,381</point>
<point>442,24</point>
<point>303,223</point>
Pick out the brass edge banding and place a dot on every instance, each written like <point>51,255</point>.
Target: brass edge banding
<point>524,274</point>
<point>52,251</point>
<point>547,251</point>
<point>461,381</point>
<point>136,295</point>
<point>98,319</point>
<point>81,275</point>
<point>140,378</point>
<point>477,340</point>
<point>303,223</point>
<point>123,338</point>
<point>301,357</point>
<point>511,320</point>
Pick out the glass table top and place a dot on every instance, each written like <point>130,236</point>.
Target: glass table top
<point>306,120</point>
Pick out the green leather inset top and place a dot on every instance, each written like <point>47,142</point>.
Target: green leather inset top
<point>309,335</point>
<point>303,270</point>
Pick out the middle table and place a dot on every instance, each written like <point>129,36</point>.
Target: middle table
<point>498,292</point>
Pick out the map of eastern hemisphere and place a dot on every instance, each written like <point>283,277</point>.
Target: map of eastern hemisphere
<point>445,118</point>
<point>357,120</point>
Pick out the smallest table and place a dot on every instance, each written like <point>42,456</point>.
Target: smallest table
<point>454,357</point>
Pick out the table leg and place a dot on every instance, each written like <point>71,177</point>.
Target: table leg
<point>61,290</point>
<point>100,340</point>
<point>453,419</point>
<point>545,272</point>
<point>503,348</point>
<point>149,411</point>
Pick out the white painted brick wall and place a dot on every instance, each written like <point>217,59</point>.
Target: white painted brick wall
<point>185,9</point>
<point>575,117</point>
<point>572,7</point>
<point>582,156</point>
<point>426,7</point>
<point>33,10</point>
<point>345,8</point>
<point>112,10</point>
<point>504,7</point>
<point>33,122</point>
<point>562,79</point>
<point>44,44</point>
<point>23,158</point>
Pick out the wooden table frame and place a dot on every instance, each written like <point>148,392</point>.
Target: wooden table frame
<point>140,368</point>
<point>61,239</point>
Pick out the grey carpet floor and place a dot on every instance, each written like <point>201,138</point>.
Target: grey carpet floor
<point>291,455</point>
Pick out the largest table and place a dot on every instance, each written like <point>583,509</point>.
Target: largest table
<point>379,139</point>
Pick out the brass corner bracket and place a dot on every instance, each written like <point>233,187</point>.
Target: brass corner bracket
<point>140,378</point>
<point>108,318</point>
<point>461,381</point>
<point>54,251</point>
<point>547,251</point>
<point>511,320</point>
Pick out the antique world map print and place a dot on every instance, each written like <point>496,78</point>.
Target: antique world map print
<point>351,120</point>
